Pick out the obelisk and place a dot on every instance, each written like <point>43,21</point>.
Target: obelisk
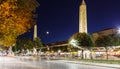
<point>35,32</point>
<point>83,17</point>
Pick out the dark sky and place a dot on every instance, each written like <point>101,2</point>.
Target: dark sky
<point>60,18</point>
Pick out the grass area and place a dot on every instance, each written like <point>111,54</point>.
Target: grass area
<point>87,60</point>
<point>96,60</point>
<point>102,61</point>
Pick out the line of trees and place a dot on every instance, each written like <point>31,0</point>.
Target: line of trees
<point>107,41</point>
<point>26,43</point>
<point>84,41</point>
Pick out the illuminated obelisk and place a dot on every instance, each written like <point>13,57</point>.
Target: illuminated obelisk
<point>35,32</point>
<point>83,17</point>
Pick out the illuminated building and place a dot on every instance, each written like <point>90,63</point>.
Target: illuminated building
<point>108,31</point>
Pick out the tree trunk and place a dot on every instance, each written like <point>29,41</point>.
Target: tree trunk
<point>91,57</point>
<point>106,53</point>
<point>90,49</point>
<point>82,54</point>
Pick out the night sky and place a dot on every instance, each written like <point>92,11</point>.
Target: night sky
<point>60,18</point>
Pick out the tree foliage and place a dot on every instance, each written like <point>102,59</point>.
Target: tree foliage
<point>108,40</point>
<point>105,41</point>
<point>38,42</point>
<point>82,39</point>
<point>16,18</point>
<point>115,40</point>
<point>24,43</point>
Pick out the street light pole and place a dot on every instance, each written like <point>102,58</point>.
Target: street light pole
<point>118,33</point>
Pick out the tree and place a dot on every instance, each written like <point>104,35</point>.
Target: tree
<point>104,41</point>
<point>82,40</point>
<point>115,40</point>
<point>16,18</point>
<point>38,42</point>
<point>24,43</point>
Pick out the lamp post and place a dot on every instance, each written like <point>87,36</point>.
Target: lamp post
<point>118,33</point>
<point>48,52</point>
<point>47,32</point>
<point>74,43</point>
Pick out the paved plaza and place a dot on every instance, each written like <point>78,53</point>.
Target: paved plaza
<point>37,63</point>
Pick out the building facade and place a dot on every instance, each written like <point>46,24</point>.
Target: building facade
<point>104,32</point>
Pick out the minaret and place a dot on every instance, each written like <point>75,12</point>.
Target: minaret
<point>83,18</point>
<point>35,32</point>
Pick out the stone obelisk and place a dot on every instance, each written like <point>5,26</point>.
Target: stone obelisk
<point>35,32</point>
<point>83,17</point>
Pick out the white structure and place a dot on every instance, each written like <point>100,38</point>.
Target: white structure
<point>34,51</point>
<point>10,52</point>
<point>83,17</point>
<point>35,32</point>
<point>86,54</point>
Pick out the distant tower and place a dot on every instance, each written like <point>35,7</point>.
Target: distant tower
<point>35,32</point>
<point>83,17</point>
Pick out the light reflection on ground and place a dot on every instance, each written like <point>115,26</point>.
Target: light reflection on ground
<point>37,63</point>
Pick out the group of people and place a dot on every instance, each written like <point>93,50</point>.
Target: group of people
<point>3,53</point>
<point>28,52</point>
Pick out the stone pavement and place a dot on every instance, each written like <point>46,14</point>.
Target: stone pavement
<point>15,60</point>
<point>86,63</point>
<point>93,64</point>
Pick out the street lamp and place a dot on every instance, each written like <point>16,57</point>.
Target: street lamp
<point>73,42</point>
<point>118,31</point>
<point>47,32</point>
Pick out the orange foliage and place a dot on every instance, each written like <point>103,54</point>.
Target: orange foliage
<point>14,21</point>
